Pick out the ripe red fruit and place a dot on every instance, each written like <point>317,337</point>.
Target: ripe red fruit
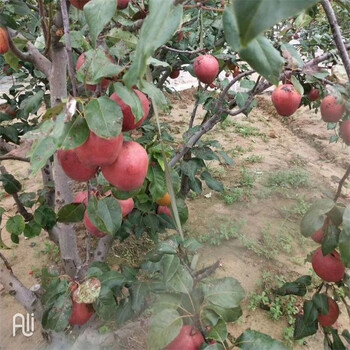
<point>81,313</point>
<point>11,110</point>
<point>330,267</point>
<point>129,171</point>
<point>4,40</point>
<point>73,167</point>
<point>236,72</point>
<point>104,82</point>
<point>162,209</point>
<point>313,94</point>
<point>331,110</point>
<point>93,230</point>
<point>286,100</point>
<point>174,74</point>
<point>126,205</point>
<point>128,117</point>
<point>97,151</point>
<point>189,338</point>
<point>79,4</point>
<point>345,132</point>
<point>122,4</point>
<point>332,315</point>
<point>206,68</point>
<point>318,236</point>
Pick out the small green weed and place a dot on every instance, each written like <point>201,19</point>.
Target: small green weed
<point>254,159</point>
<point>294,178</point>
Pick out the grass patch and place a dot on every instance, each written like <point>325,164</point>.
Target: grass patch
<point>294,178</point>
<point>254,159</point>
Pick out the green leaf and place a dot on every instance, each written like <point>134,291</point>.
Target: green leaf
<point>337,342</point>
<point>165,327</point>
<point>252,18</point>
<point>112,279</point>
<point>211,182</point>
<point>154,93</point>
<point>130,98</point>
<point>42,152</point>
<point>297,85</point>
<point>218,332</point>
<point>291,51</point>
<point>157,186</point>
<point>159,26</point>
<point>205,153</point>
<point>31,104</point>
<point>45,217</point>
<point>253,340</point>
<point>15,225</point>
<point>225,292</point>
<point>11,185</point>
<point>314,218</point>
<point>32,229</point>
<point>138,292</point>
<point>27,199</point>
<point>330,240</point>
<point>321,303</point>
<point>105,306</point>
<point>104,117</point>
<point>57,317</point>
<point>344,238</point>
<point>228,315</point>
<point>76,133</point>
<point>73,212</point>
<point>166,301</point>
<point>191,167</point>
<point>14,238</point>
<point>264,58</point>
<point>124,312</point>
<point>98,13</point>
<point>96,66</point>
<point>182,282</point>
<point>169,263</point>
<point>105,214</point>
<point>303,329</point>
<point>310,312</point>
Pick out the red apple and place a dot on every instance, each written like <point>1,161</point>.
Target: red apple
<point>313,94</point>
<point>81,313</point>
<point>206,68</point>
<point>122,4</point>
<point>79,4</point>
<point>286,100</point>
<point>93,230</point>
<point>189,338</point>
<point>331,110</point>
<point>104,83</point>
<point>97,151</point>
<point>4,40</point>
<point>73,167</point>
<point>11,110</point>
<point>129,171</point>
<point>82,197</point>
<point>345,131</point>
<point>128,117</point>
<point>174,74</point>
<point>318,236</point>
<point>162,209</point>
<point>332,315</point>
<point>126,205</point>
<point>330,267</point>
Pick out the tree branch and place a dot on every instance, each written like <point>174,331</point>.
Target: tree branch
<point>332,19</point>
<point>71,72</point>
<point>182,51</point>
<point>12,157</point>
<point>23,295</point>
<point>32,55</point>
<point>341,183</point>
<point>103,246</point>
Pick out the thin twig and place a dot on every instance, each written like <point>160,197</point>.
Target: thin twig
<point>7,264</point>
<point>341,183</point>
<point>207,271</point>
<point>182,51</point>
<point>10,157</point>
<point>337,35</point>
<point>43,22</point>
<point>65,18</point>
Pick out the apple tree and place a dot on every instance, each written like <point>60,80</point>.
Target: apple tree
<point>90,77</point>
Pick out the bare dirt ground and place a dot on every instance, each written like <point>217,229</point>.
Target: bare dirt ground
<point>281,165</point>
